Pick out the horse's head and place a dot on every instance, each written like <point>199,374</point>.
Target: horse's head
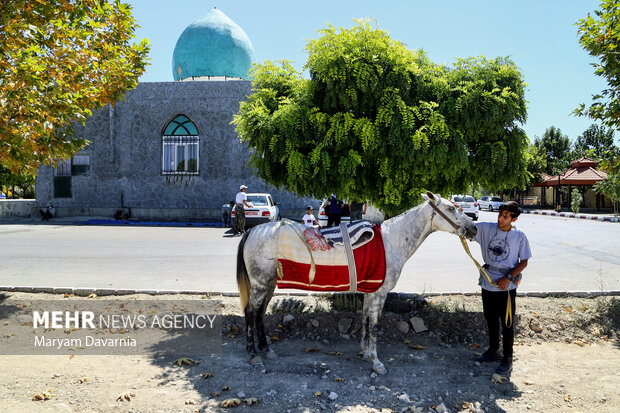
<point>448,217</point>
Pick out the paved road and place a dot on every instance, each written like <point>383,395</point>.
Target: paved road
<point>568,255</point>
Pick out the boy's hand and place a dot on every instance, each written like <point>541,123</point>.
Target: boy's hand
<point>503,283</point>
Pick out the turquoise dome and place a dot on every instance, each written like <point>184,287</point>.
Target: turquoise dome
<point>212,46</point>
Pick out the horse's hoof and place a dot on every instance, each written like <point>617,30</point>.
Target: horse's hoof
<point>270,354</point>
<point>255,360</point>
<point>379,368</point>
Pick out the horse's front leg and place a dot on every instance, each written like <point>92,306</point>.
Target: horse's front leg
<point>373,305</point>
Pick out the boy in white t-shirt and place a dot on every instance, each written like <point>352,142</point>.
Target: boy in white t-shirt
<point>309,220</point>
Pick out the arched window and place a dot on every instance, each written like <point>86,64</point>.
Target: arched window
<point>180,147</point>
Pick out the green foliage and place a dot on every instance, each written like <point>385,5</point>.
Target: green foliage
<point>556,148</point>
<point>59,61</point>
<point>576,200</point>
<point>536,162</point>
<point>22,180</point>
<point>597,139</point>
<point>380,122</point>
<point>599,35</point>
<point>611,186</point>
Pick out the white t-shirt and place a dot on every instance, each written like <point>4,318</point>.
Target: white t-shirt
<point>501,250</point>
<point>241,196</point>
<point>308,220</point>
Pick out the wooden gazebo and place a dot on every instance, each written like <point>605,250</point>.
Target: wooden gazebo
<point>583,174</point>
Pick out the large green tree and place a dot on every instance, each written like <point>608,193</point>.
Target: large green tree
<point>557,150</point>
<point>378,121</point>
<point>599,35</point>
<point>59,61</point>
<point>597,139</point>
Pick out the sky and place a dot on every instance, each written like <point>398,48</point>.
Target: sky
<point>540,36</point>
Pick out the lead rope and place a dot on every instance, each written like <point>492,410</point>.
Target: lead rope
<point>482,270</point>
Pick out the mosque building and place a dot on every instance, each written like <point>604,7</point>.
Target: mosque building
<point>168,149</point>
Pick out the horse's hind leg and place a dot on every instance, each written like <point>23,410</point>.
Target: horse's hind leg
<point>263,345</point>
<point>373,305</point>
<point>250,328</point>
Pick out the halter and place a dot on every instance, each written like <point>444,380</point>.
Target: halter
<point>444,216</point>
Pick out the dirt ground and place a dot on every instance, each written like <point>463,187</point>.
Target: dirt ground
<point>567,359</point>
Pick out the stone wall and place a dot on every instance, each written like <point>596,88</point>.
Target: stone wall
<point>126,154</point>
<point>17,208</point>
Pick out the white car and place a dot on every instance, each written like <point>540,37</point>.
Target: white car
<point>469,205</point>
<point>264,209</point>
<point>492,203</point>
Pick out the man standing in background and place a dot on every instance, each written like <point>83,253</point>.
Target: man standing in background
<point>241,201</point>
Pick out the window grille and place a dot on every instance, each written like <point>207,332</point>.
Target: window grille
<point>80,165</point>
<point>180,147</point>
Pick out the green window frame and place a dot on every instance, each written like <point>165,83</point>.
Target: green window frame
<point>180,147</point>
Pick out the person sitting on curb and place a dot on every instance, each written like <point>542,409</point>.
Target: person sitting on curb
<point>48,213</point>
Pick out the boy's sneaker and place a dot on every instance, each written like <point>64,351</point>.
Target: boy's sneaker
<point>488,356</point>
<point>505,366</point>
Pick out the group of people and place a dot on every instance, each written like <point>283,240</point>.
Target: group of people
<point>336,209</point>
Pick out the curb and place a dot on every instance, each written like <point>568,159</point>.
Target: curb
<point>571,215</point>
<point>102,292</point>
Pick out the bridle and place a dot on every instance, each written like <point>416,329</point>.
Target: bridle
<point>444,216</point>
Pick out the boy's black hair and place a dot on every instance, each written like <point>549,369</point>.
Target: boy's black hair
<point>512,207</point>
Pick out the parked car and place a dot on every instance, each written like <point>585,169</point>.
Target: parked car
<point>491,203</point>
<point>264,209</point>
<point>469,205</point>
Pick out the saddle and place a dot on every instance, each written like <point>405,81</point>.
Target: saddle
<point>359,232</point>
<point>347,258</point>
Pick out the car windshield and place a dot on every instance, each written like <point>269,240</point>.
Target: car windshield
<point>469,199</point>
<point>496,199</point>
<point>258,200</point>
<point>458,199</point>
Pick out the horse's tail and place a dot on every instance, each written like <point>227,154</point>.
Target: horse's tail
<point>243,280</point>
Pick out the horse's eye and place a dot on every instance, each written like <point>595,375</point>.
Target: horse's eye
<point>451,208</point>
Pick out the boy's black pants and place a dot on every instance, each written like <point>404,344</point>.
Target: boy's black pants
<point>494,309</point>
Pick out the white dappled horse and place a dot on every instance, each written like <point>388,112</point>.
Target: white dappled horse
<point>257,265</point>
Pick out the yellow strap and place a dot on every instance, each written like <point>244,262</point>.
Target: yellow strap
<point>483,271</point>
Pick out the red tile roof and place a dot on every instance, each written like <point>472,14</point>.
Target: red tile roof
<point>583,172</point>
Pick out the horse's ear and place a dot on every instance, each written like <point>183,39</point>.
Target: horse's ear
<point>429,196</point>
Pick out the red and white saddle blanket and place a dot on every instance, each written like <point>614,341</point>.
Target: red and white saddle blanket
<point>309,261</point>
